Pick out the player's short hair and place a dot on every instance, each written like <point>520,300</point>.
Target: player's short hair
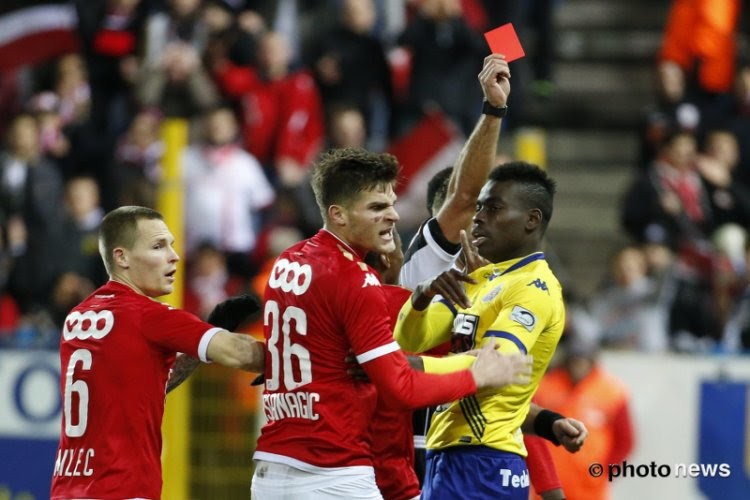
<point>437,189</point>
<point>119,229</point>
<point>537,188</point>
<point>341,174</point>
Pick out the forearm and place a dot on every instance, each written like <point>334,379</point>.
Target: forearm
<point>237,350</point>
<point>183,367</point>
<point>528,424</point>
<point>415,332</point>
<point>470,173</point>
<point>401,386</point>
<point>447,364</point>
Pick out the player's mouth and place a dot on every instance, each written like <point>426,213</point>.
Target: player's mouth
<point>170,275</point>
<point>386,235</point>
<point>478,237</point>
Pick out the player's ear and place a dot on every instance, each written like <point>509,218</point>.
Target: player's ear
<point>120,258</point>
<point>337,215</point>
<point>533,219</point>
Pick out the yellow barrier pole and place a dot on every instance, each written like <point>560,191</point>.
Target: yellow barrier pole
<point>175,426</point>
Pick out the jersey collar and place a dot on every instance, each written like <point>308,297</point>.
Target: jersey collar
<point>492,271</point>
<point>345,244</point>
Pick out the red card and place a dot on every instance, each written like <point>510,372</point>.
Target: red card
<point>503,40</point>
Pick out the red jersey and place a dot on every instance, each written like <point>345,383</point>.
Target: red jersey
<point>322,301</point>
<point>116,351</point>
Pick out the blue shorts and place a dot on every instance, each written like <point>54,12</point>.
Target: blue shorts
<point>475,472</point>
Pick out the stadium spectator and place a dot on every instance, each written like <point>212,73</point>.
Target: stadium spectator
<point>673,110</point>
<point>346,127</point>
<point>31,193</point>
<point>729,199</point>
<point>282,117</point>
<point>668,203</point>
<point>521,304</point>
<point>700,38</point>
<point>225,191</point>
<point>177,83</point>
<point>136,164</point>
<point>583,389</point>
<point>337,303</point>
<point>83,214</point>
<point>342,77</point>
<point>626,311</point>
<point>106,448</point>
<point>444,52</point>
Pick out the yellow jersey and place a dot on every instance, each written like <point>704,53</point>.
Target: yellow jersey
<point>519,304</point>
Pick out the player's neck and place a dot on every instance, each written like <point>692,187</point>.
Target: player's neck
<point>124,280</point>
<point>342,237</point>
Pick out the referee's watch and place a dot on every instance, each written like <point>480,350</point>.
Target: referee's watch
<point>489,109</point>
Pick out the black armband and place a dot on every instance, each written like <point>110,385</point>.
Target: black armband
<point>489,109</point>
<point>543,425</point>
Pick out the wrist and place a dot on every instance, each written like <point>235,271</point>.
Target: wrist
<point>490,109</point>
<point>543,425</point>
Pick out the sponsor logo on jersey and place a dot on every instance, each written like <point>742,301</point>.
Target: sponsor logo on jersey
<point>540,285</point>
<point>370,280</point>
<point>492,294</point>
<point>88,324</point>
<point>524,317</point>
<point>290,276</point>
<point>464,330</point>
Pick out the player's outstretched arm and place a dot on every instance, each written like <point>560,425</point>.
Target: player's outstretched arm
<point>236,350</point>
<point>228,315</point>
<point>478,154</point>
<point>559,430</point>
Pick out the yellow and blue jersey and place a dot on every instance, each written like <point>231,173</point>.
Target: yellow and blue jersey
<point>519,304</point>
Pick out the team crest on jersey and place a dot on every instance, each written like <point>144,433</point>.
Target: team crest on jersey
<point>540,285</point>
<point>370,280</point>
<point>492,294</point>
<point>524,317</point>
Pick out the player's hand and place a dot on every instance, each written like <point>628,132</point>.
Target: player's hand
<point>494,369</point>
<point>472,259</point>
<point>234,311</point>
<point>495,80</point>
<point>449,284</point>
<point>388,265</point>
<point>354,370</point>
<point>570,432</point>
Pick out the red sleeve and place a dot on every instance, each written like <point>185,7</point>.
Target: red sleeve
<point>622,431</point>
<point>542,470</point>
<point>400,386</point>
<point>363,308</point>
<point>176,330</point>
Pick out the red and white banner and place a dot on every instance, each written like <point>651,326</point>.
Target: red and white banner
<point>31,32</point>
<point>432,145</point>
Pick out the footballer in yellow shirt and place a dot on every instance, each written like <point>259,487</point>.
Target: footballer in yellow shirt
<point>476,444</point>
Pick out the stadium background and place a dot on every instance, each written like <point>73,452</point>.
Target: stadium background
<point>583,122</point>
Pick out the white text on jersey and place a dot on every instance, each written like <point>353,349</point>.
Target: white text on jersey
<point>291,405</point>
<point>67,457</point>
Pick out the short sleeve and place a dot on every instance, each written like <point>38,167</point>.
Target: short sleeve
<point>177,330</point>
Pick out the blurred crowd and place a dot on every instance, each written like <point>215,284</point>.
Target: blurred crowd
<point>266,85</point>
